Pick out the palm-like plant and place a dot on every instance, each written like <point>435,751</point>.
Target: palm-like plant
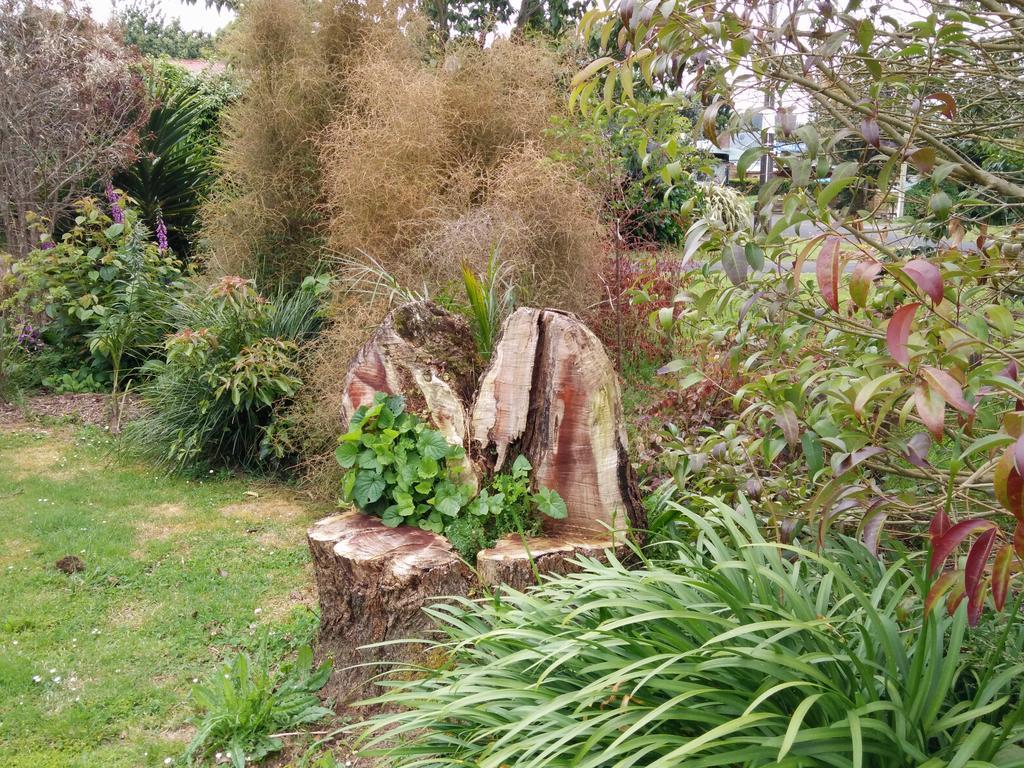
<point>175,168</point>
<point>737,652</point>
<point>492,298</point>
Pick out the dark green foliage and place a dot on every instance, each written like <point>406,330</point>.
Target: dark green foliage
<point>401,470</point>
<point>245,703</point>
<point>13,356</point>
<point>176,166</point>
<point>506,506</point>
<point>640,165</point>
<point>81,284</point>
<point>733,651</point>
<point>145,27</point>
<point>229,366</point>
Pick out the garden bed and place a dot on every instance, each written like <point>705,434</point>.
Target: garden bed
<point>87,408</point>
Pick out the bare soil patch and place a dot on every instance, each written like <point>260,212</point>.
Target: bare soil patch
<point>83,408</point>
<point>262,507</point>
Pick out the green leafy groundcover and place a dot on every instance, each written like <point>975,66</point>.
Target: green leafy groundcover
<point>733,652</point>
<point>406,473</point>
<point>245,704</point>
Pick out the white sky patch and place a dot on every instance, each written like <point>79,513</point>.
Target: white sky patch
<point>192,17</point>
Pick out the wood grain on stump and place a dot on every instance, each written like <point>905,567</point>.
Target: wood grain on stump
<point>551,394</point>
<point>518,563</point>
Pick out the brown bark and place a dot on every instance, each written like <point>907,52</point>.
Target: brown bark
<point>551,393</point>
<point>373,584</point>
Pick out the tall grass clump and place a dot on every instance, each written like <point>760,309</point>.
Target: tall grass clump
<point>264,219</point>
<point>247,704</point>
<point>733,652</point>
<point>229,367</point>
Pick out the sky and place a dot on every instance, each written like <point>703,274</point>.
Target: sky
<point>196,16</point>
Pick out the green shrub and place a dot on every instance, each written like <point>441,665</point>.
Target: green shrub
<point>406,473</point>
<point>733,652</point>
<point>229,366</point>
<point>77,284</point>
<point>399,467</point>
<point>244,704</point>
<point>505,506</point>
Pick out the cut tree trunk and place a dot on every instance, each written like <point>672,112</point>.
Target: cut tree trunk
<point>552,395</point>
<point>373,582</point>
<point>519,563</point>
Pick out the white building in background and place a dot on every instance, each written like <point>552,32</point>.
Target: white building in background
<point>735,144</point>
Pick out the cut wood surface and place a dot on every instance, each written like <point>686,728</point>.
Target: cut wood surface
<point>373,582</point>
<point>519,563</point>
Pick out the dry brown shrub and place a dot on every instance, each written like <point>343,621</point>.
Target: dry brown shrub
<point>501,97</point>
<point>420,171</point>
<point>557,241</point>
<point>313,421</point>
<point>385,161</point>
<point>265,219</point>
<point>541,222</point>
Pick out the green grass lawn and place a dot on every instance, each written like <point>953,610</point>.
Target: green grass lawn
<point>96,667</point>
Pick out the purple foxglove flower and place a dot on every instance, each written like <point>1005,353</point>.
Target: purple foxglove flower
<point>115,205</point>
<point>161,233</point>
<point>29,338</point>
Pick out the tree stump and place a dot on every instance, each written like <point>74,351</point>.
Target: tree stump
<point>427,355</point>
<point>550,393</point>
<point>518,563</point>
<point>373,582</point>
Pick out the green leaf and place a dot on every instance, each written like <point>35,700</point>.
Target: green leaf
<point>755,256</point>
<point>793,730</point>
<point>369,487</point>
<point>831,190</point>
<point>346,454</point>
<point>550,503</point>
<point>734,264</point>
<point>521,467</point>
<point>1001,319</point>
<point>395,404</point>
<point>433,445</point>
<point>428,467</point>
<point>814,453</point>
<point>368,459</point>
<point>750,154</point>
